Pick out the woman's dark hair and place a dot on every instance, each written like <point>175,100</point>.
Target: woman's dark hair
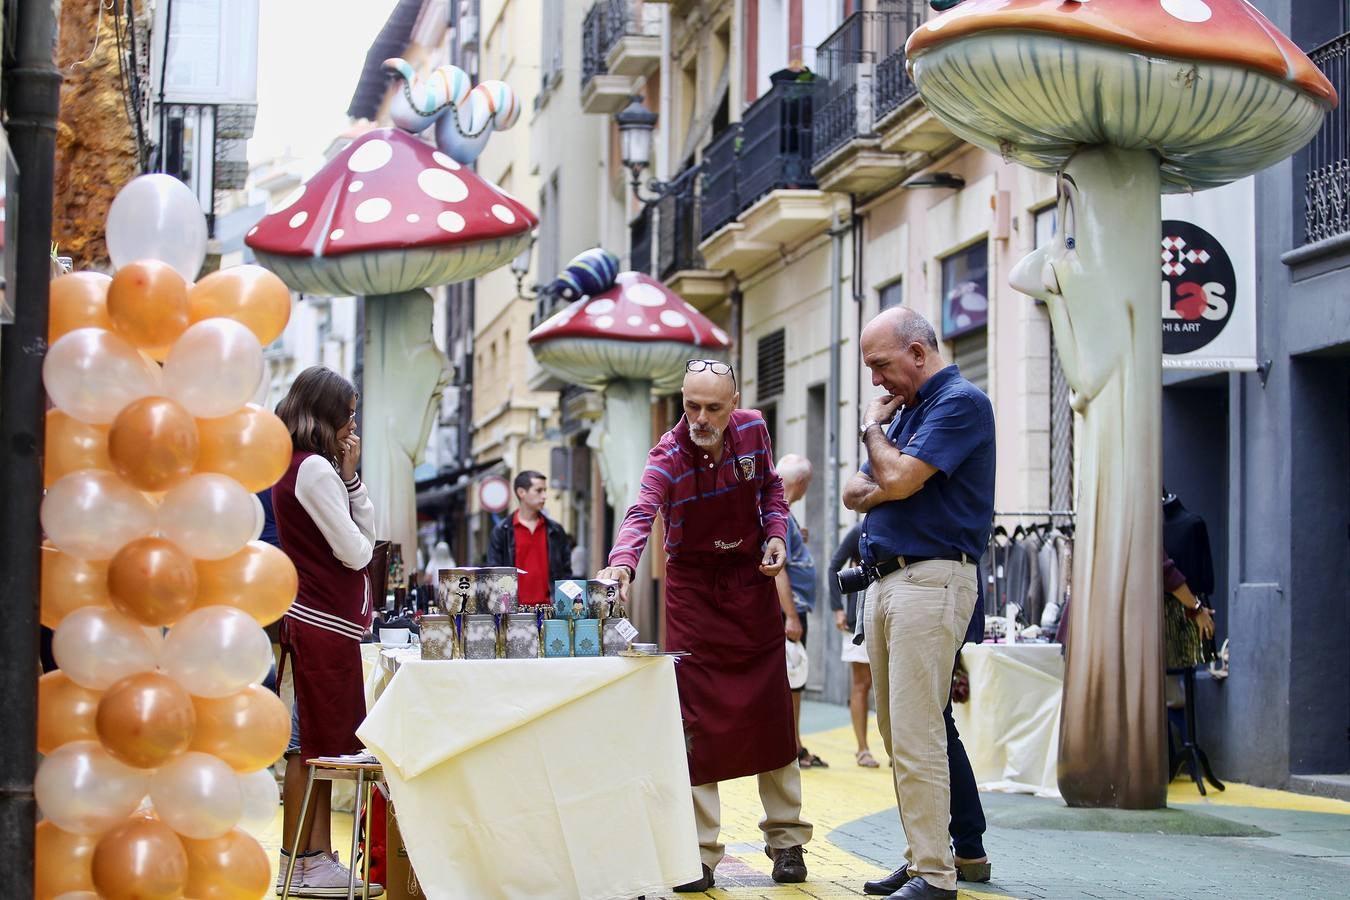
<point>317,406</point>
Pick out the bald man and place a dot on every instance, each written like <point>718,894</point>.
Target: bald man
<point>711,478</point>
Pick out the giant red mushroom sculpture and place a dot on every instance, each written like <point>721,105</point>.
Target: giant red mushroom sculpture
<point>628,340</point>
<point>1122,99</point>
<point>386,218</point>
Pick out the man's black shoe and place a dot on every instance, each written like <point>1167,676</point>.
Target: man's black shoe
<point>788,865</point>
<point>697,887</point>
<point>918,889</point>
<point>884,887</point>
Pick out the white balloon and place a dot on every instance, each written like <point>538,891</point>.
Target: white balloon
<point>259,518</point>
<point>261,800</point>
<point>216,651</point>
<point>97,647</point>
<point>92,514</point>
<point>197,795</point>
<point>210,516</point>
<point>157,217</point>
<point>214,367</point>
<point>91,373</point>
<point>82,789</point>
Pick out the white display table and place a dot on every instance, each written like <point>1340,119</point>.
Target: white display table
<point>1010,725</point>
<point>558,778</point>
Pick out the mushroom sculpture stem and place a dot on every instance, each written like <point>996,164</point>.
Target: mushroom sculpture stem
<point>1099,279</point>
<point>626,437</point>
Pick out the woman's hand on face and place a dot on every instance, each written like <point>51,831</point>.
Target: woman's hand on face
<point>349,454</point>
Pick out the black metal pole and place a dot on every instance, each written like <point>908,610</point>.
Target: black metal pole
<point>32,101</point>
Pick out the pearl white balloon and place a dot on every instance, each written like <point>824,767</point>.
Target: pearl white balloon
<point>197,795</point>
<point>214,368</point>
<point>261,800</point>
<point>92,514</point>
<point>97,646</point>
<point>91,373</point>
<point>210,516</point>
<point>216,651</point>
<point>157,217</point>
<point>82,789</point>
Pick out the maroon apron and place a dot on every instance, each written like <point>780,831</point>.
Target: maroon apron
<point>734,694</point>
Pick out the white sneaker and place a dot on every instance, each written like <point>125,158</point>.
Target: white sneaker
<point>297,878</point>
<point>326,877</point>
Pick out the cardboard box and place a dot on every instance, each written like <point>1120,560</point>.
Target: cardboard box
<point>402,879</point>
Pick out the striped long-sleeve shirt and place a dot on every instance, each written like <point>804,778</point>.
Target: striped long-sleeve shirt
<point>679,472</point>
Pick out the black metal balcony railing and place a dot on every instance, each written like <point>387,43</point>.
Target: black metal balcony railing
<point>865,38</point>
<point>677,215</point>
<point>718,203</point>
<point>640,242</point>
<point>776,141</point>
<point>1326,189</point>
<point>891,85</point>
<point>594,42</point>
<point>622,18</point>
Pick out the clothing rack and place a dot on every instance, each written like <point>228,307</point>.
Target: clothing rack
<point>1036,513</point>
<point>992,566</point>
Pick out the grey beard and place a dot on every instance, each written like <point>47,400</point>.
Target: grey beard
<point>714,437</point>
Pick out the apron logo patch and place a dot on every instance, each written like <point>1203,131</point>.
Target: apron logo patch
<point>723,545</point>
<point>746,464</point>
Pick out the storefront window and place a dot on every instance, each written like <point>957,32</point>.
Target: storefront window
<point>965,290</point>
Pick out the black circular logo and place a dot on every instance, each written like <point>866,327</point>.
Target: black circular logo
<point>1199,289</point>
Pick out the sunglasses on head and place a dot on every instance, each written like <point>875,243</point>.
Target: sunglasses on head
<point>716,365</point>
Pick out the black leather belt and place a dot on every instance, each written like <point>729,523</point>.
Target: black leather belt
<point>896,563</point>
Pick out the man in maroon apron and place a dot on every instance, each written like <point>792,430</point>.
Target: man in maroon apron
<point>712,481</point>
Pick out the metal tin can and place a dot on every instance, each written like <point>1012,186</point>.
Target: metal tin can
<point>497,590</point>
<point>586,637</point>
<point>480,636</point>
<point>610,639</point>
<point>456,590</point>
<point>438,636</point>
<point>557,638</point>
<point>600,596</point>
<point>522,636</point>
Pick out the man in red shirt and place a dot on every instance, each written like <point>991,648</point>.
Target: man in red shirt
<point>531,541</point>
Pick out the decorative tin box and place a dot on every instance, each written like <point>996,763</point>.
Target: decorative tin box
<point>600,596</point>
<point>438,636</point>
<point>569,598</point>
<point>586,637</point>
<point>557,638</point>
<point>522,635</point>
<point>611,640</point>
<point>480,636</point>
<point>497,590</point>
<point>456,590</point>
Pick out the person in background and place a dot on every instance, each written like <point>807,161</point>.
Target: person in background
<point>927,490</point>
<point>441,558</point>
<point>327,526</point>
<point>796,585</point>
<point>532,542</point>
<point>846,620</point>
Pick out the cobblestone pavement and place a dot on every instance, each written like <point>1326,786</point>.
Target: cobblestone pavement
<point>1244,843</point>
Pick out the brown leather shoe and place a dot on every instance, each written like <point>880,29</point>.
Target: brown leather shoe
<point>788,865</point>
<point>699,886</point>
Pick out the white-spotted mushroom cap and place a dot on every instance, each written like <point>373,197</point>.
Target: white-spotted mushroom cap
<point>638,329</point>
<point>389,214</point>
<point>1210,85</point>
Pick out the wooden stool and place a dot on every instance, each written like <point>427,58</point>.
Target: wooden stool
<point>366,775</point>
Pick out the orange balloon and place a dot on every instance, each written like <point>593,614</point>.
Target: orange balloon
<point>148,305</point>
<point>153,443</point>
<point>140,859</point>
<point>260,579</point>
<point>77,300</point>
<point>69,583</point>
<point>252,446</point>
<point>247,730</point>
<point>233,866</point>
<point>72,445</point>
<point>145,719</point>
<point>65,712</point>
<point>250,295</point>
<point>152,580</point>
<point>62,862</point>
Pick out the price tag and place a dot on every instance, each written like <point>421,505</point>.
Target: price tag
<point>572,590</point>
<point>626,630</point>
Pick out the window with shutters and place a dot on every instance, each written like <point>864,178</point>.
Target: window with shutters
<point>1061,414</point>
<point>970,352</point>
<point>891,295</point>
<point>965,290</point>
<point>769,366</point>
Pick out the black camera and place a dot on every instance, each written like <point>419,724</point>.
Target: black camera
<point>854,579</point>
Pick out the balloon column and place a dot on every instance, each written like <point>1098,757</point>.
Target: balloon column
<point>155,732</point>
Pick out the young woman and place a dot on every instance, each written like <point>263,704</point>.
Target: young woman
<point>327,526</point>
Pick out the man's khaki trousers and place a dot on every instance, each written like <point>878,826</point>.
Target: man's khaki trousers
<point>916,620</point>
<point>781,793</point>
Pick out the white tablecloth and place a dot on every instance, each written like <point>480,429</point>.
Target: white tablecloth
<point>538,778</point>
<point>1010,725</point>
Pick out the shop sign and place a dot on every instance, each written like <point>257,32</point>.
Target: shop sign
<point>1208,258</point>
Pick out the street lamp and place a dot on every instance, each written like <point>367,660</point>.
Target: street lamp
<point>520,267</point>
<point>636,124</point>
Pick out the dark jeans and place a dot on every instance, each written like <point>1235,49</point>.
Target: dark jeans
<point>967,825</point>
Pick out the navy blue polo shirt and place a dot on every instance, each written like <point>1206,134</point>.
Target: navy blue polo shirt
<point>950,427</point>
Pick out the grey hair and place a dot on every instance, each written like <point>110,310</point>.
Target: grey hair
<point>793,466</point>
<point>911,327</point>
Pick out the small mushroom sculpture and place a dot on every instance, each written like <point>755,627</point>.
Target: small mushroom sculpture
<point>630,338</point>
<point>1122,100</point>
<point>386,218</point>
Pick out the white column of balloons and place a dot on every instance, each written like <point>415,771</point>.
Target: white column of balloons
<point>156,742</point>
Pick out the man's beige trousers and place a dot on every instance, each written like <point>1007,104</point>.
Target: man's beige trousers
<point>916,620</point>
<point>781,793</point>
